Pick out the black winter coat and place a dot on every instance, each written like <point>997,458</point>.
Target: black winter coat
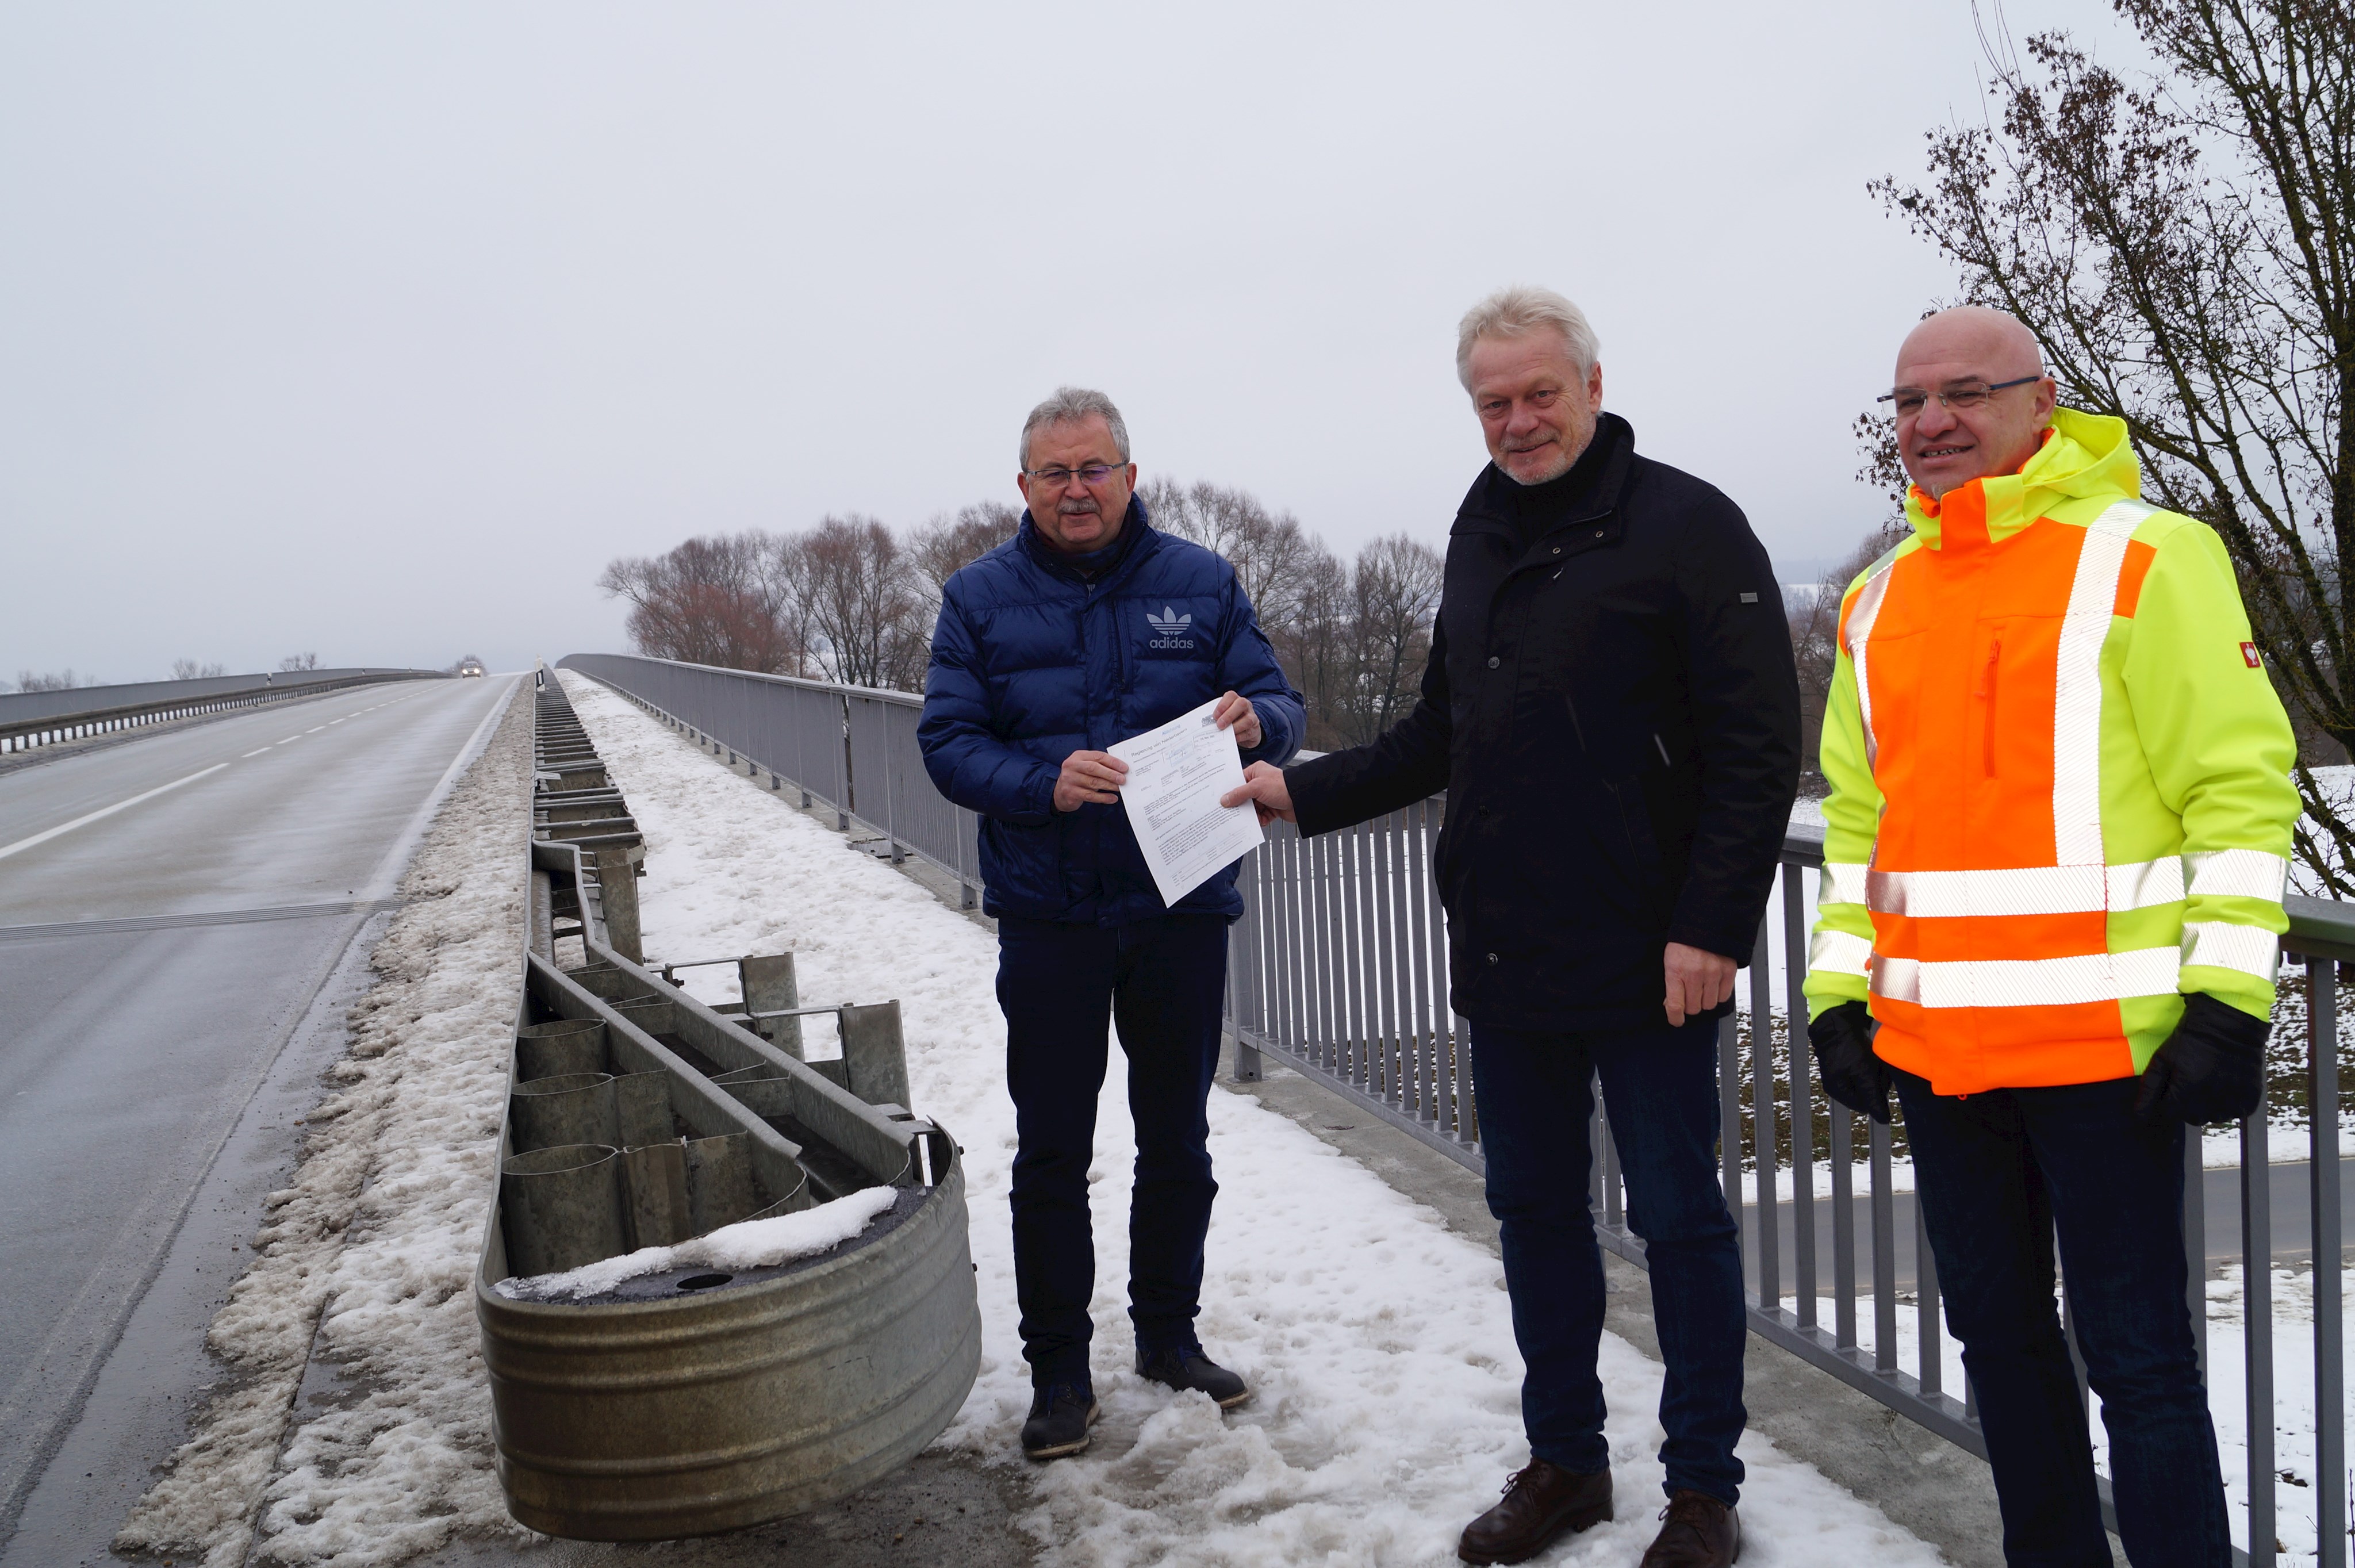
<point>1614,713</point>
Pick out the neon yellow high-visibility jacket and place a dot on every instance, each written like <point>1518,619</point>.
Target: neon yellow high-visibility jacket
<point>2060,792</point>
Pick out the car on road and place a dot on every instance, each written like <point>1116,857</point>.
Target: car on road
<point>470,665</point>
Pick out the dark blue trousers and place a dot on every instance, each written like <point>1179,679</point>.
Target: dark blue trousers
<point>1995,1172</point>
<point>1060,986</point>
<point>1660,1089</point>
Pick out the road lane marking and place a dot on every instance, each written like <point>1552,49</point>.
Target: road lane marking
<point>254,753</point>
<point>217,917</point>
<point>9,849</point>
<point>290,739</point>
<point>314,729</point>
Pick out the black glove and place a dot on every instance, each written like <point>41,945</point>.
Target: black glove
<point>1851,1074</point>
<point>2211,1068</point>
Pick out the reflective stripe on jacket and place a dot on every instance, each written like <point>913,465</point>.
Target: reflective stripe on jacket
<point>2060,792</point>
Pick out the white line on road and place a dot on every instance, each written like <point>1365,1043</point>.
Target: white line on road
<point>257,752</point>
<point>9,849</point>
<point>314,729</point>
<point>290,739</point>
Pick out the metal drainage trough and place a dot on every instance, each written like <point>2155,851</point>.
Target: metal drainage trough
<point>692,1400</point>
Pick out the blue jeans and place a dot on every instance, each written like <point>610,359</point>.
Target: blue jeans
<point>1660,1089</point>
<point>1060,987</point>
<point>1995,1172</point>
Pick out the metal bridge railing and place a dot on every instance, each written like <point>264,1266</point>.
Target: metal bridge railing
<point>52,728</point>
<point>851,749</point>
<point>1338,969</point>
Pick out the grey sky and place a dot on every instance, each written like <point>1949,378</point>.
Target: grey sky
<point>376,329</point>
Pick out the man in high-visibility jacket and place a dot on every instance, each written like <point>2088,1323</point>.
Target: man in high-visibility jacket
<point>2054,854</point>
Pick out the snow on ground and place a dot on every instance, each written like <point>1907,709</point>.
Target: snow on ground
<point>2293,1402</point>
<point>373,1246</point>
<point>1380,1344</point>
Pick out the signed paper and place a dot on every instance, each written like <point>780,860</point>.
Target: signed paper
<point>1176,775</point>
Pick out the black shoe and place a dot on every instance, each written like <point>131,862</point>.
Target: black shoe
<point>1542,1503</point>
<point>1190,1369</point>
<point>1700,1532</point>
<point>1060,1416</point>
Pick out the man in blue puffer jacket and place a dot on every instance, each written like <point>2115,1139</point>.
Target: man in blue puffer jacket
<point>1086,628</point>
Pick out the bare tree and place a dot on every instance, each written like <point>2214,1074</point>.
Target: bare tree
<point>720,599</point>
<point>1814,612</point>
<point>298,662</point>
<point>946,545</point>
<point>1269,551</point>
<point>189,669</point>
<point>2184,249</point>
<point>1314,642</point>
<point>55,680</point>
<point>1393,594</point>
<point>864,604</point>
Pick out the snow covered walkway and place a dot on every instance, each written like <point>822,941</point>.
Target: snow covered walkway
<point>1379,1343</point>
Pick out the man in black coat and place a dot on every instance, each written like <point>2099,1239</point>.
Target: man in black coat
<point>1612,707</point>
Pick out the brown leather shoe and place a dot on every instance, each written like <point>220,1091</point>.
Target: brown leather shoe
<point>1540,1503</point>
<point>1700,1532</point>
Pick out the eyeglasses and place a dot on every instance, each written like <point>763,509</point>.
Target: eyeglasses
<point>1093,474</point>
<point>1911,401</point>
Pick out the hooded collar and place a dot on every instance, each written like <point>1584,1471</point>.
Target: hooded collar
<point>1135,538</point>
<point>2082,455</point>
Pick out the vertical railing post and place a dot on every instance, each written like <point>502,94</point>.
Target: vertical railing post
<point>1929,1335</point>
<point>2257,1330</point>
<point>2329,1329</point>
<point>1884,1252</point>
<point>1729,1118</point>
<point>1764,1156</point>
<point>2195,1245</point>
<point>1843,1184</point>
<point>1803,1096</point>
<point>1242,966</point>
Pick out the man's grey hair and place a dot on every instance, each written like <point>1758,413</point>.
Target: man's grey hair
<point>1517,310</point>
<point>1067,406</point>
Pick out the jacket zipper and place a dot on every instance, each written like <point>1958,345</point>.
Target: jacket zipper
<point>1986,695</point>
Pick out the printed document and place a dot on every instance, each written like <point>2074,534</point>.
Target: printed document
<point>1176,775</point>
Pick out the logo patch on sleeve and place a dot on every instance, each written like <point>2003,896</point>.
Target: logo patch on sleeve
<point>2249,652</point>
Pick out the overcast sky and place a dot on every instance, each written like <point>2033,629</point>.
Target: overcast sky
<point>376,329</point>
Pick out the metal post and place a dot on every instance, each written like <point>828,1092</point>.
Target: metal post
<point>1843,1174</point>
<point>2257,1331</point>
<point>2329,1347</point>
<point>1729,1118</point>
<point>1763,1154</point>
<point>1929,1335</point>
<point>2195,1246</point>
<point>1884,1252</point>
<point>1803,1097</point>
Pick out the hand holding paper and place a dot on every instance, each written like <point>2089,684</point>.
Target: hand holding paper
<point>1176,775</point>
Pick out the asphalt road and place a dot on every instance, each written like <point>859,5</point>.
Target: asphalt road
<point>182,920</point>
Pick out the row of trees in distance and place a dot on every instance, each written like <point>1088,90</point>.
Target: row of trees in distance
<point>851,601</point>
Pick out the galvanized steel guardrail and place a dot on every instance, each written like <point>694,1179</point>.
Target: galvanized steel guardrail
<point>46,729</point>
<point>690,1400</point>
<point>1338,969</point>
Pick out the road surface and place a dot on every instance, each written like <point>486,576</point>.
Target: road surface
<point>183,920</point>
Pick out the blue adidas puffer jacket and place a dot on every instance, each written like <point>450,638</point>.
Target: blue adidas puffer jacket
<point>1032,662</point>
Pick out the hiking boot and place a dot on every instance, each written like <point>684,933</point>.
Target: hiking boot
<point>1700,1532</point>
<point>1542,1502</point>
<point>1189,1368</point>
<point>1061,1414</point>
